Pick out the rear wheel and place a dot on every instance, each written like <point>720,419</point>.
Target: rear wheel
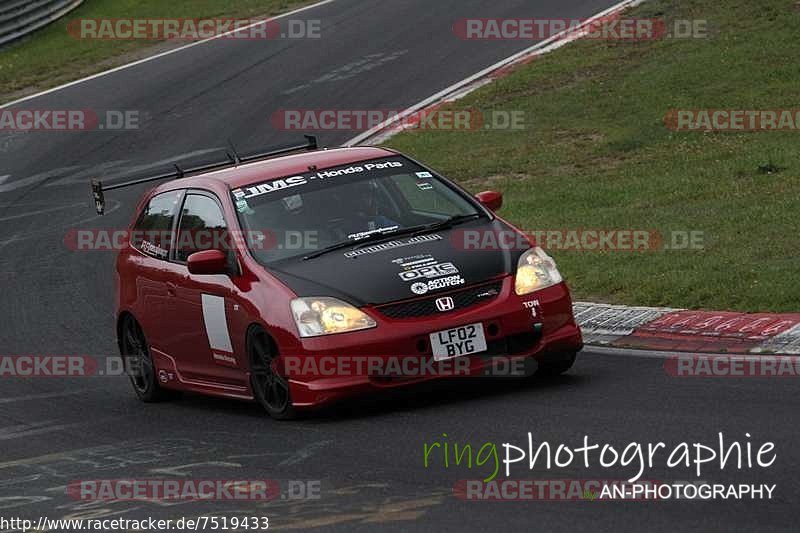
<point>138,363</point>
<point>270,389</point>
<point>556,365</point>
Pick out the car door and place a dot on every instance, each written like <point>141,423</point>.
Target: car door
<point>146,268</point>
<point>207,306</point>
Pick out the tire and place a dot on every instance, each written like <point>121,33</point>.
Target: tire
<point>556,365</point>
<point>139,364</point>
<point>270,389</point>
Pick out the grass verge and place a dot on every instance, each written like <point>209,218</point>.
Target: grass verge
<point>50,56</point>
<point>598,155</point>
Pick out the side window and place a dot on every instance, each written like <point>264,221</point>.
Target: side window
<point>152,233</point>
<point>202,227</point>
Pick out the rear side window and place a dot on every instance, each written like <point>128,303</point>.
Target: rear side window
<point>152,233</point>
<point>202,227</point>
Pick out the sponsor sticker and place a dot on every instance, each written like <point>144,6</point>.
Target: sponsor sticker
<point>426,273</point>
<point>152,249</point>
<point>293,202</point>
<point>260,189</point>
<point>242,206</point>
<point>391,245</point>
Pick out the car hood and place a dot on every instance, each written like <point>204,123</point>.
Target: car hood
<point>405,267</point>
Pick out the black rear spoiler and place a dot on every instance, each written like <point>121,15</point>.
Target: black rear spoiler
<point>98,189</point>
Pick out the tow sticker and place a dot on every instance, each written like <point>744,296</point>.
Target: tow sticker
<point>535,306</point>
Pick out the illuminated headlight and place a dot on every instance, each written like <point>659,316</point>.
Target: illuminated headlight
<point>536,270</point>
<point>326,316</point>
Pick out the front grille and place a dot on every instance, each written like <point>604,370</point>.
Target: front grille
<point>462,299</point>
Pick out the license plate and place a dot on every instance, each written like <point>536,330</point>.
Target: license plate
<point>456,342</point>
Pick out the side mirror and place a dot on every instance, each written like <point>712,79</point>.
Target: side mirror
<point>492,200</point>
<point>208,263</point>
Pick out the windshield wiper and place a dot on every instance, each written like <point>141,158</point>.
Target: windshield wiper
<point>347,244</point>
<point>387,235</point>
<point>448,223</point>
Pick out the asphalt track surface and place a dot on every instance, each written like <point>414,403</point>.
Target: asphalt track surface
<point>366,454</point>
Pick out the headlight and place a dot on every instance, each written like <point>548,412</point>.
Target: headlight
<point>536,270</point>
<point>325,316</point>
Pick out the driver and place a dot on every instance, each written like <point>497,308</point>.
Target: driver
<point>361,210</point>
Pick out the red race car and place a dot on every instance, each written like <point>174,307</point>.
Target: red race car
<point>297,279</point>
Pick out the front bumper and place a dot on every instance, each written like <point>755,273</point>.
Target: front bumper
<point>519,330</point>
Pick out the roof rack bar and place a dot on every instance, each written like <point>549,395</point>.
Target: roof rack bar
<point>233,160</point>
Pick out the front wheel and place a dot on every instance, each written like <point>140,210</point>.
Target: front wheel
<point>270,389</point>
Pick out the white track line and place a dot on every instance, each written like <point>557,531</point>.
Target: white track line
<point>42,211</point>
<point>548,45</point>
<point>162,54</point>
<point>45,395</point>
<point>656,354</point>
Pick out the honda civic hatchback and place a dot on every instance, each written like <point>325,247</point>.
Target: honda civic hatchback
<point>303,279</point>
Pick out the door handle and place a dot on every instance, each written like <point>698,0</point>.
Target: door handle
<point>172,289</point>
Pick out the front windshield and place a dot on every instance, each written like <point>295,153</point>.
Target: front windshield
<point>298,215</point>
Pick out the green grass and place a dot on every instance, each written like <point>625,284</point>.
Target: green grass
<point>50,56</point>
<point>597,155</point>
